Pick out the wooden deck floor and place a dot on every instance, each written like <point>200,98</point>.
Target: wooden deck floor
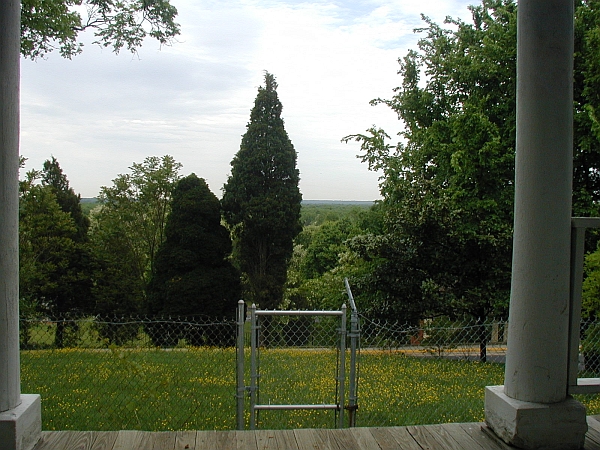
<point>465,436</point>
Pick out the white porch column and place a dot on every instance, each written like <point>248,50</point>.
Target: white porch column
<point>532,410</point>
<point>20,417</point>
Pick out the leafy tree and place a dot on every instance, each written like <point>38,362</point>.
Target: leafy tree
<point>586,159</point>
<point>261,200</point>
<point>325,246</point>
<point>118,288</point>
<point>55,24</point>
<point>323,257</point>
<point>586,96</point>
<point>448,187</point>
<point>127,230</point>
<point>193,275</point>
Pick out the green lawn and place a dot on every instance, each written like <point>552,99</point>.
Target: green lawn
<point>195,388</point>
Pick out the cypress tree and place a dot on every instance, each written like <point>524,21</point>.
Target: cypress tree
<point>261,200</point>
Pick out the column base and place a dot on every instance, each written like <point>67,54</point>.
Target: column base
<point>528,425</point>
<point>21,427</point>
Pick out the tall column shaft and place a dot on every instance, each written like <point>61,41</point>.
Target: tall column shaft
<point>536,366</point>
<point>10,388</point>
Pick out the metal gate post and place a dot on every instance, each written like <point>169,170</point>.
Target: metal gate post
<point>253,366</point>
<point>241,388</point>
<point>342,374</point>
<point>354,336</point>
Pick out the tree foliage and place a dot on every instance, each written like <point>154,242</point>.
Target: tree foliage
<point>55,261</point>
<point>48,25</point>
<point>193,275</point>
<point>448,185</point>
<point>586,96</point>
<point>46,245</point>
<point>52,175</point>
<point>128,229</point>
<point>261,199</point>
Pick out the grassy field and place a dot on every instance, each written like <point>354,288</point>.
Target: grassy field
<point>195,388</point>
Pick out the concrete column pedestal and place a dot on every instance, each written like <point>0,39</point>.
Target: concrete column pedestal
<point>529,425</point>
<point>20,427</point>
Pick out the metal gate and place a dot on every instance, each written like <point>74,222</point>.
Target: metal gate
<point>259,339</point>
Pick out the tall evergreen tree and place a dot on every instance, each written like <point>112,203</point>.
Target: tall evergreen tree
<point>261,200</point>
<point>193,275</point>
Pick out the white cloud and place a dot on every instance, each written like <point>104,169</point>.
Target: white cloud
<point>99,113</point>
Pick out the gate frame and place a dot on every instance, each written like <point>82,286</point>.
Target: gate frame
<point>254,375</point>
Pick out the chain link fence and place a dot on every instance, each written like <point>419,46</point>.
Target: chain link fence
<point>173,374</point>
<point>130,373</point>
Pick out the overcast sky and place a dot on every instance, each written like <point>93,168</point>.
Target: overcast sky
<point>99,113</point>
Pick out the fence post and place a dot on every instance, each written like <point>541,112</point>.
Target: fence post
<point>253,366</point>
<point>342,374</point>
<point>354,336</point>
<point>241,388</point>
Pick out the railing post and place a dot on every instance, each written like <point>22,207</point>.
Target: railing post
<point>241,388</point>
<point>578,227</point>
<point>342,374</point>
<point>577,257</point>
<point>253,365</point>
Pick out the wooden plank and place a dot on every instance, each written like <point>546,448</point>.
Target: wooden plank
<point>384,438</point>
<point>163,440</point>
<point>75,440</point>
<point>104,440</point>
<point>442,434</point>
<point>246,440</point>
<point>391,437</point>
<point>464,439</point>
<point>82,440</point>
<point>593,432</point>
<point>206,440</point>
<point>342,439</point>
<point>593,423</point>
<point>310,439</point>
<point>128,439</point>
<point>185,440</point>
<point>225,440</point>
<point>266,440</point>
<point>433,437</point>
<point>590,444</point>
<point>286,440</point>
<point>484,438</point>
<point>364,438</point>
<point>51,440</point>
